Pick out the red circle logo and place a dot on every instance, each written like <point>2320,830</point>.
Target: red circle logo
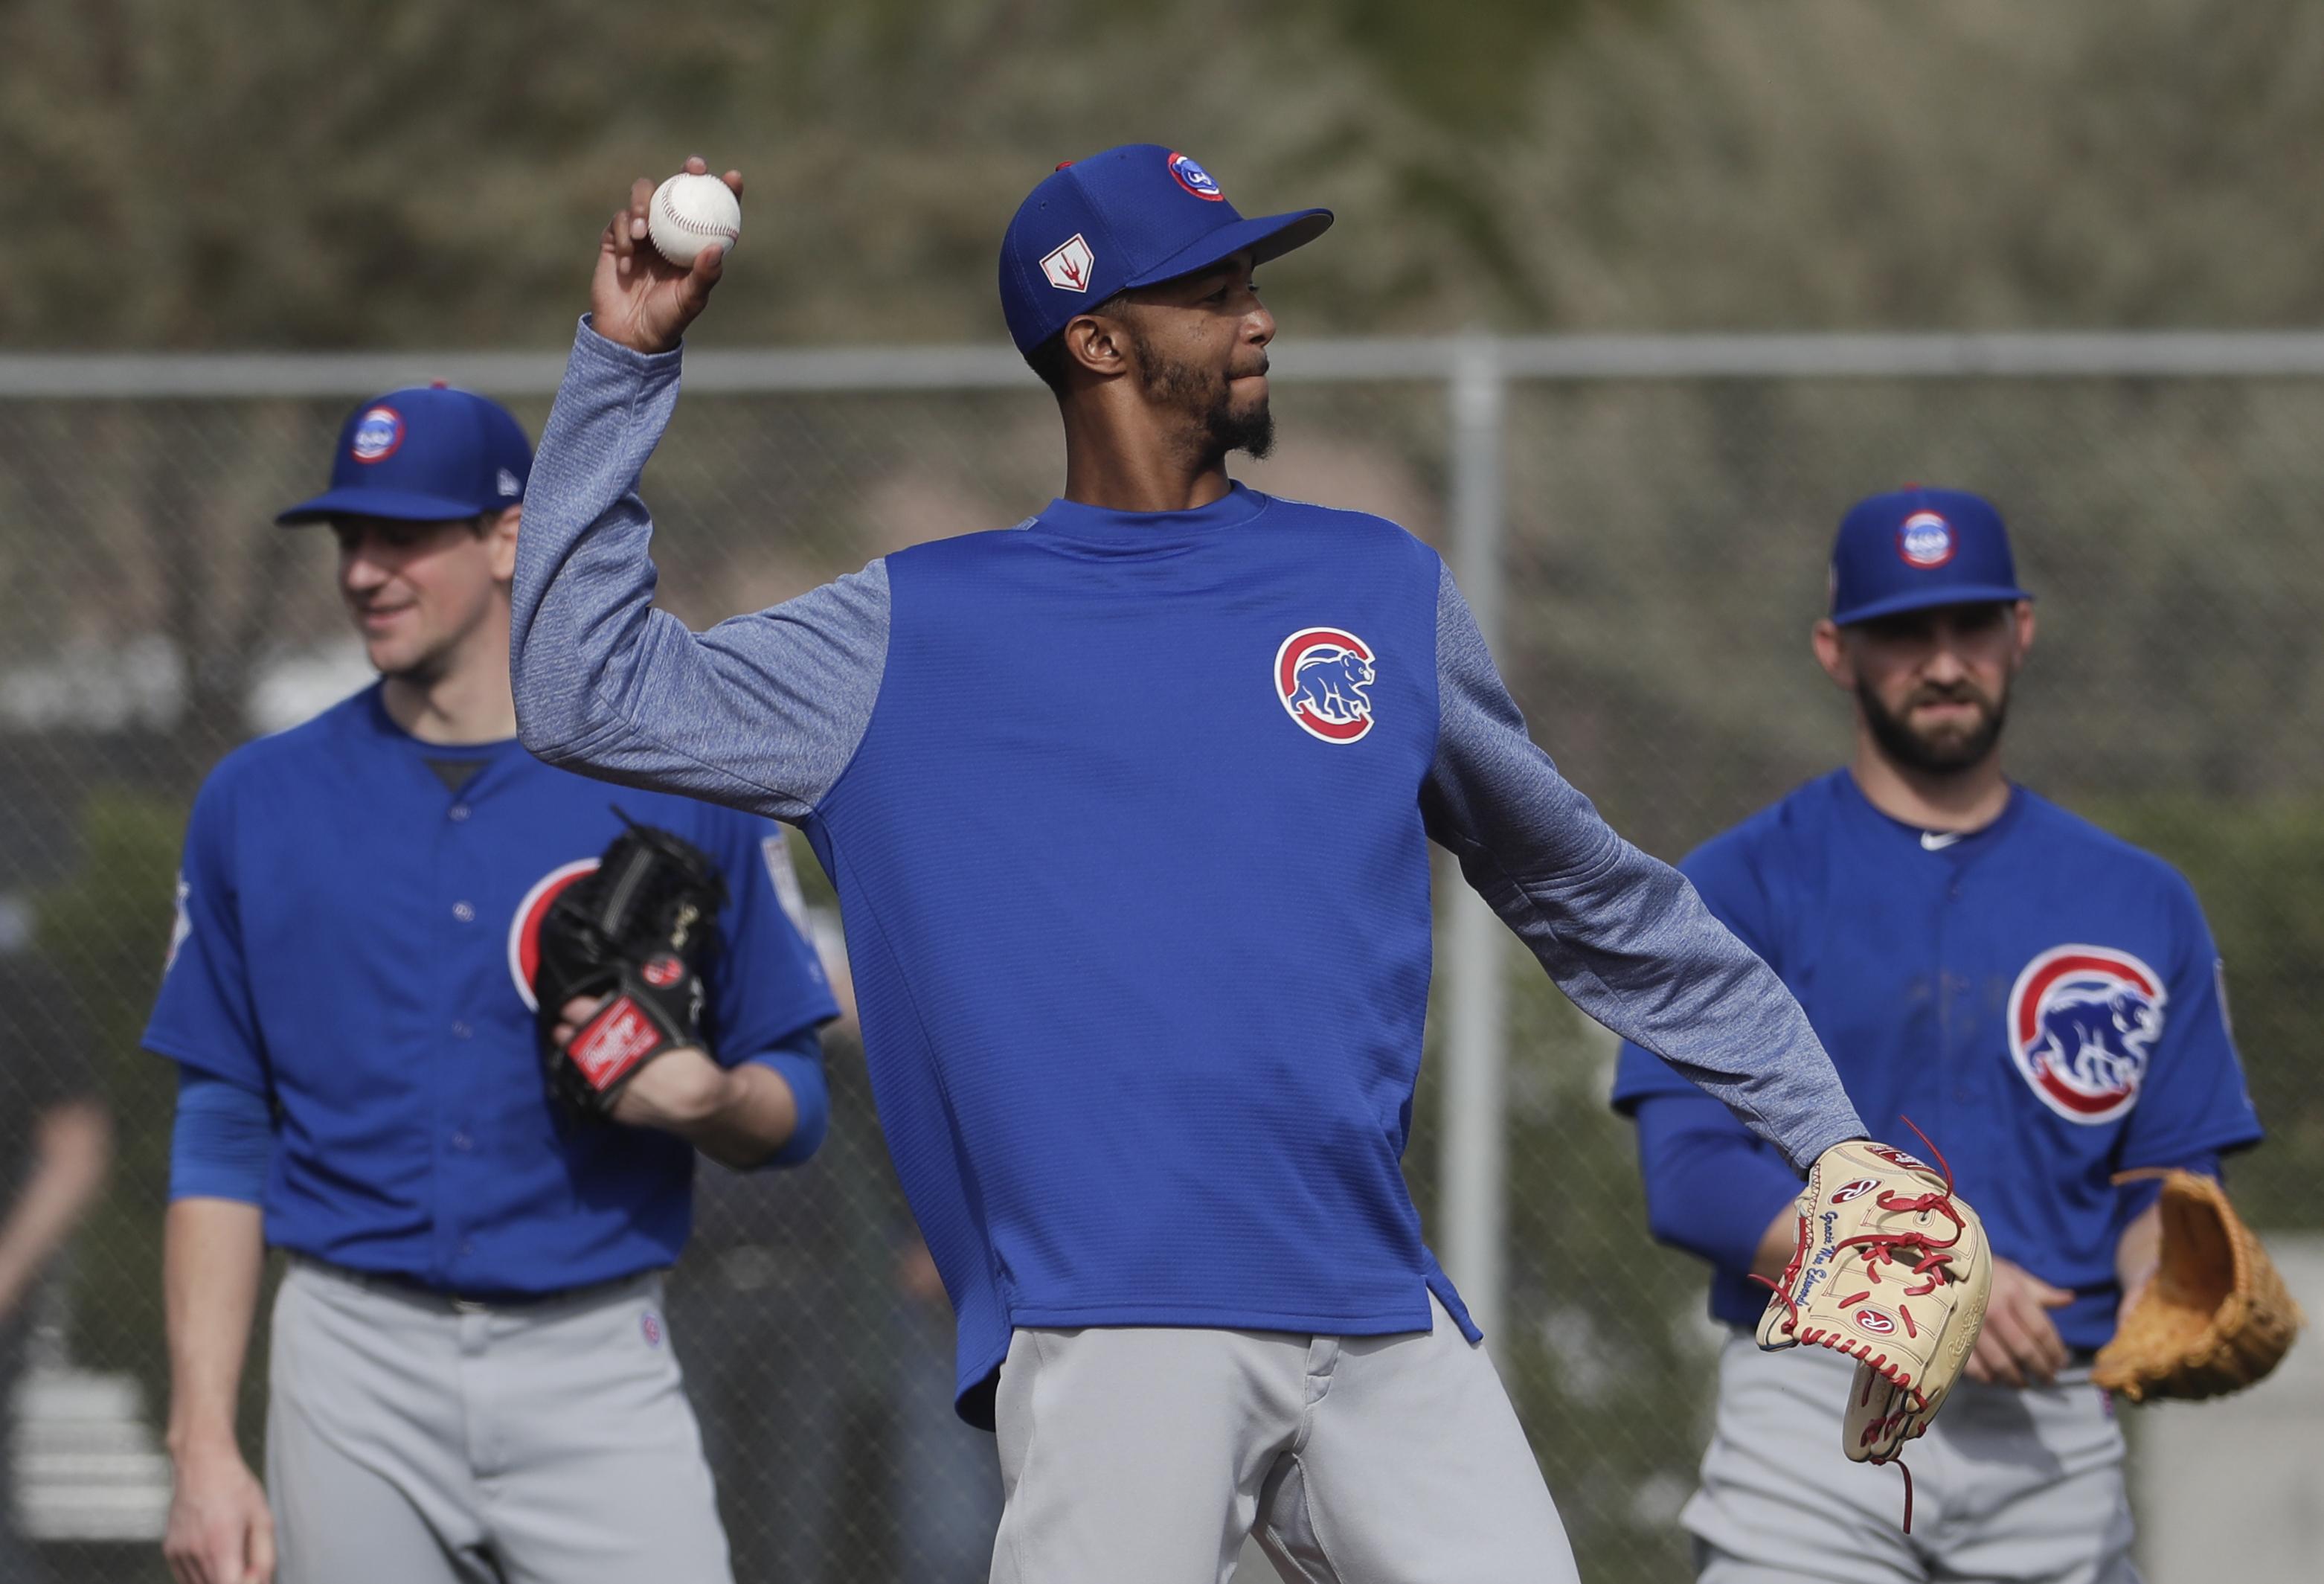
<point>524,929</point>
<point>379,434</point>
<point>1856,1189</point>
<point>1926,540</point>
<point>1875,1320</point>
<point>1196,180</point>
<point>2082,1022</point>
<point>1322,678</point>
<point>662,972</point>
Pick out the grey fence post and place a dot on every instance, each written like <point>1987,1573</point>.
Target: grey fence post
<point>1474,1169</point>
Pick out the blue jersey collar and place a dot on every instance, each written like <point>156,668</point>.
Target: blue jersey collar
<point>1072,520</point>
<point>384,725</point>
<point>1958,846</point>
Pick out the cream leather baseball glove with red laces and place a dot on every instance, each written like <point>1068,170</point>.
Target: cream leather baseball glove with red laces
<point>1892,1269</point>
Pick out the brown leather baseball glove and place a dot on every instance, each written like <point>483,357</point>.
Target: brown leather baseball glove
<point>2217,1316</point>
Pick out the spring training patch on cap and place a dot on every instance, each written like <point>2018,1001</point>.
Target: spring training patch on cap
<point>1926,540</point>
<point>1196,180</point>
<point>1069,264</point>
<point>378,435</point>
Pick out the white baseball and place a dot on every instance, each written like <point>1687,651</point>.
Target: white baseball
<point>688,213</point>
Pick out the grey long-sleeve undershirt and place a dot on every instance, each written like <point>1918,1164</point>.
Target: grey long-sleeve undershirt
<point>765,710</point>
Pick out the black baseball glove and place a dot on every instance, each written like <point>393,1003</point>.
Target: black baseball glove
<point>639,929</point>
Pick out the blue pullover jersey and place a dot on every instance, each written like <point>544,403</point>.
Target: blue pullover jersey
<point>1129,816</point>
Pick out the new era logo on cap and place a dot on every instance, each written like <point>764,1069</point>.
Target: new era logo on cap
<point>1070,264</point>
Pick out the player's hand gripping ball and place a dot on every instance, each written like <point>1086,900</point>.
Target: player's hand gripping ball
<point>1891,1269</point>
<point>691,212</point>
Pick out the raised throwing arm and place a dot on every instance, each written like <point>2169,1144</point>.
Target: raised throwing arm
<point>762,712</point>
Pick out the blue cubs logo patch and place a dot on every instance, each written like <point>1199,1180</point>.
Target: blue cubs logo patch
<point>1196,180</point>
<point>379,435</point>
<point>1321,677</point>
<point>1925,540</point>
<point>2082,1022</point>
<point>524,929</point>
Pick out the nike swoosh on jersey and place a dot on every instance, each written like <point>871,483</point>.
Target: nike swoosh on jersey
<point>1938,840</point>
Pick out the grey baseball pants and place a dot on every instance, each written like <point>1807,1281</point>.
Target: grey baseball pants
<point>2007,1484</point>
<point>1144,1455</point>
<point>409,1440</point>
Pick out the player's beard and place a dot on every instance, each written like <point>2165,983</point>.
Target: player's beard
<point>1949,750</point>
<point>1207,396</point>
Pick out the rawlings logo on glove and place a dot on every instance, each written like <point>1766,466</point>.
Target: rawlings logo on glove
<point>1892,1269</point>
<point>636,931</point>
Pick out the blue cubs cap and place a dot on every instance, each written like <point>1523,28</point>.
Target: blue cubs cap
<point>1916,548</point>
<point>427,454</point>
<point>1133,216</point>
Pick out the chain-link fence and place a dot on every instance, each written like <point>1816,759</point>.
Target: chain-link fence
<point>1645,523</point>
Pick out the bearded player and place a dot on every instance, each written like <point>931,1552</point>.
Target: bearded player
<point>1066,777</point>
<point>2041,999</point>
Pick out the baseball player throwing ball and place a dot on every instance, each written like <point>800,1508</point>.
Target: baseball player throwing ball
<point>454,1052</point>
<point>2041,999</point>
<point>1129,807</point>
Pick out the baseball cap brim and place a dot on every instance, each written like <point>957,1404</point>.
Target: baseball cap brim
<point>1926,599</point>
<point>1270,237</point>
<point>399,504</point>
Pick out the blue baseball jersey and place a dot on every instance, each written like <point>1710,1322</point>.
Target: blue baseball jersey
<point>2041,999</point>
<point>355,941</point>
<point>1130,817</point>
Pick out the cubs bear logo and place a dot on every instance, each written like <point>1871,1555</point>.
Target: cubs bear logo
<point>1856,1189</point>
<point>2083,1021</point>
<point>1196,180</point>
<point>379,433</point>
<point>524,929</point>
<point>1925,540</point>
<point>1321,675</point>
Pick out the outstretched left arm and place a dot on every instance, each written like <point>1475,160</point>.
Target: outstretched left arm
<point>1623,934</point>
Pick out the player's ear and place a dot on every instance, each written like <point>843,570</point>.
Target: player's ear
<point>1099,344</point>
<point>2022,621</point>
<point>1831,646</point>
<point>500,542</point>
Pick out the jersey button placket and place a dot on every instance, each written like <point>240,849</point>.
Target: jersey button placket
<point>455,867</point>
<point>450,1193</point>
<point>1956,1018</point>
